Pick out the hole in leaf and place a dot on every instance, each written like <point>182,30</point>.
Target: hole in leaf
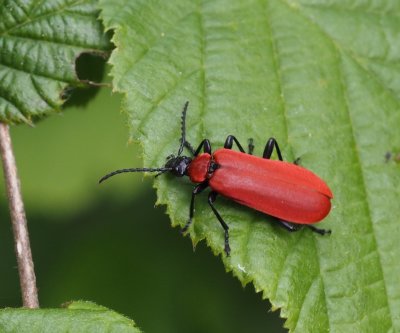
<point>90,69</point>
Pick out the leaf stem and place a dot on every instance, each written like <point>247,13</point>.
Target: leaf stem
<point>18,219</point>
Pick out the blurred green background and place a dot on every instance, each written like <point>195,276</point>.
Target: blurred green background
<point>108,243</point>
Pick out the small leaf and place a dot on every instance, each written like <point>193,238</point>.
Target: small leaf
<point>77,317</point>
<point>322,78</point>
<point>40,42</point>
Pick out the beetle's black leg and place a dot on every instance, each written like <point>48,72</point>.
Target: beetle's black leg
<point>296,227</point>
<point>269,148</point>
<point>211,199</point>
<point>198,189</point>
<point>251,146</point>
<point>318,230</point>
<point>206,145</point>
<point>290,226</point>
<point>229,143</point>
<point>297,161</point>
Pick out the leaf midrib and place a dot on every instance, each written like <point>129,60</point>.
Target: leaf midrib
<point>338,49</point>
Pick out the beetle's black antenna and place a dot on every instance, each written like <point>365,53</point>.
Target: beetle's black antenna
<point>116,172</point>
<point>183,128</point>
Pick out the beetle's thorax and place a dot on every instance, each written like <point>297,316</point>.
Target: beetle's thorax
<point>201,168</point>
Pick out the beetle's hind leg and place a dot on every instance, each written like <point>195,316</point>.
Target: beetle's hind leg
<point>292,227</point>
<point>319,230</point>
<point>211,199</point>
<point>296,227</point>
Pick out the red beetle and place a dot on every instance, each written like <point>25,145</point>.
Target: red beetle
<point>294,195</point>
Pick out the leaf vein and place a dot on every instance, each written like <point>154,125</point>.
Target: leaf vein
<point>15,106</point>
<point>52,13</point>
<point>348,51</point>
<point>359,164</point>
<point>289,253</point>
<point>352,9</point>
<point>151,45</point>
<point>202,67</point>
<point>276,63</point>
<point>39,92</point>
<point>315,279</point>
<point>362,176</point>
<point>35,39</point>
<point>275,57</point>
<point>7,66</point>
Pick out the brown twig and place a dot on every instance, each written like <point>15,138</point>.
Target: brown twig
<point>18,219</point>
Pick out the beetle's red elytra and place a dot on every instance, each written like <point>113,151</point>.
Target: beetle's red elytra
<point>284,190</point>
<point>294,195</point>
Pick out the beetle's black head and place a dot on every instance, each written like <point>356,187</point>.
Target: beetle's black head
<point>178,165</point>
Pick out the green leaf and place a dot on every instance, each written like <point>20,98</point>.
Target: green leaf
<point>40,42</point>
<point>322,78</point>
<point>77,317</point>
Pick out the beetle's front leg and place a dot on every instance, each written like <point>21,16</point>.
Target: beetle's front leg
<point>198,189</point>
<point>211,199</point>
<point>206,145</point>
